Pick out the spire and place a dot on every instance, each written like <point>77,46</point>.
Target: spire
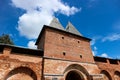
<point>56,24</point>
<point>70,28</point>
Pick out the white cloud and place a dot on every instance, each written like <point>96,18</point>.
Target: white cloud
<point>31,44</point>
<point>95,48</point>
<point>92,42</point>
<point>111,37</point>
<point>94,51</point>
<point>30,24</point>
<point>104,55</point>
<point>39,13</point>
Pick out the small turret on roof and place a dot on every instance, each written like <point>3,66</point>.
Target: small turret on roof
<point>70,28</point>
<point>56,24</point>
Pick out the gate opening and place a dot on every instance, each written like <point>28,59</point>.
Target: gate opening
<point>73,75</point>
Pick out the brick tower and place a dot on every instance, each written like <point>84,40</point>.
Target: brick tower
<point>62,54</point>
<point>67,54</point>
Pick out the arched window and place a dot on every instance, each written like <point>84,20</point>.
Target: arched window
<point>21,73</point>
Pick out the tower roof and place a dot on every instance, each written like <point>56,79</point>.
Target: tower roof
<point>56,24</point>
<point>70,28</point>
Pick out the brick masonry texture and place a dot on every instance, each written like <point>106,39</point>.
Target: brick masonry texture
<point>74,47</point>
<point>19,67</point>
<point>60,56</point>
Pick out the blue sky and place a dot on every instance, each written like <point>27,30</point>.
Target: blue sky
<point>95,19</point>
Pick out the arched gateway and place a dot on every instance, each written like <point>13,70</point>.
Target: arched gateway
<point>74,75</point>
<point>76,72</point>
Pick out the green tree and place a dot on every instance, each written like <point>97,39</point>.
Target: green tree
<point>5,39</point>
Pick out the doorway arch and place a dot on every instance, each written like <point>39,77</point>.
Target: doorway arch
<point>21,73</point>
<point>106,75</point>
<point>74,75</point>
<point>76,72</point>
<point>117,75</point>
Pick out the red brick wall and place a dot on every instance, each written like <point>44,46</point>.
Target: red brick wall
<point>66,46</point>
<point>10,61</point>
<point>110,68</point>
<point>59,68</point>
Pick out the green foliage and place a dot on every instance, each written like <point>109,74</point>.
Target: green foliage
<point>5,39</point>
